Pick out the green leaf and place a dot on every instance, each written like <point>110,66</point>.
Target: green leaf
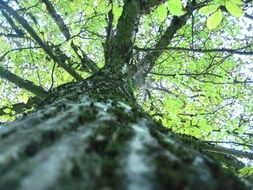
<point>7,110</point>
<point>207,10</point>
<point>246,171</point>
<point>237,2</point>
<point>214,20</point>
<point>162,12</point>
<point>102,7</point>
<point>117,11</point>
<point>176,7</point>
<point>234,9</point>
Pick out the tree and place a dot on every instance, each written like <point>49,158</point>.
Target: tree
<point>95,121</point>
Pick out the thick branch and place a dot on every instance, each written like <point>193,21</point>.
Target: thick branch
<point>36,37</point>
<point>18,32</point>
<point>233,143</point>
<point>86,61</point>
<point>148,61</point>
<point>126,30</point>
<point>122,44</point>
<point>20,107</point>
<point>57,18</point>
<point>223,150</point>
<point>208,147</point>
<point>20,82</point>
<point>109,34</point>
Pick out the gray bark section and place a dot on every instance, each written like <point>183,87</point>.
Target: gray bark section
<point>84,142</point>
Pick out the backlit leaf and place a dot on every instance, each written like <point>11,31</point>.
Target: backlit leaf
<point>246,171</point>
<point>214,20</point>
<point>234,9</point>
<point>162,12</point>
<point>176,7</point>
<point>207,10</point>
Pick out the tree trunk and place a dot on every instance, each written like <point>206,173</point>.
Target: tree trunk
<point>92,135</point>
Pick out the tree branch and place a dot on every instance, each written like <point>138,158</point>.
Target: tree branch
<point>36,37</point>
<point>20,82</point>
<point>148,62</point>
<point>208,147</point>
<point>57,18</point>
<point>18,49</point>
<point>223,150</point>
<point>221,50</point>
<point>20,107</point>
<point>122,43</point>
<point>86,61</point>
<point>230,142</point>
<point>249,16</point>
<point>19,32</point>
<point>109,34</point>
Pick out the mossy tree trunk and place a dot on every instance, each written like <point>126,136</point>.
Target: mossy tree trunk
<point>92,135</point>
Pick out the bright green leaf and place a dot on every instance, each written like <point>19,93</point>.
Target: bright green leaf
<point>237,2</point>
<point>7,110</point>
<point>246,171</point>
<point>24,97</point>
<point>207,10</point>
<point>176,7</point>
<point>6,118</point>
<point>117,10</point>
<point>103,7</point>
<point>194,121</point>
<point>234,9</point>
<point>162,12</point>
<point>214,20</point>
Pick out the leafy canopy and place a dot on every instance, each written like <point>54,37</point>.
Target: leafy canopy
<point>200,84</point>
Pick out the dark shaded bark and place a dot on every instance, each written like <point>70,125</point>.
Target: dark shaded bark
<point>22,83</point>
<point>93,135</point>
<point>20,108</point>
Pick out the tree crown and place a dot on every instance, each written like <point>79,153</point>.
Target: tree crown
<point>191,61</point>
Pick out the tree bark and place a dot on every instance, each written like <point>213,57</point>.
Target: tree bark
<point>93,135</point>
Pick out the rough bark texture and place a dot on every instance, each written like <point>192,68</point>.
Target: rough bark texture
<point>92,135</point>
